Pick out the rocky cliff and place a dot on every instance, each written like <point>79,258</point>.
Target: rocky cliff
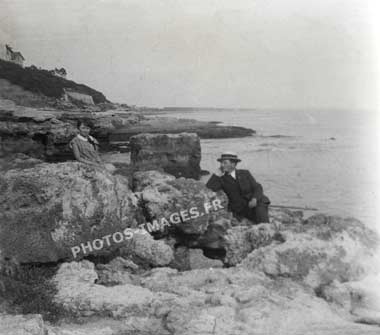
<point>295,275</point>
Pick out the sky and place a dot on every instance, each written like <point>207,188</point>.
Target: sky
<point>221,53</point>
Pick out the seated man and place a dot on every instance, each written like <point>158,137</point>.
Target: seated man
<point>245,195</point>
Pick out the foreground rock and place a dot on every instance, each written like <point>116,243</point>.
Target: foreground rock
<point>178,154</point>
<point>178,205</point>
<point>22,325</point>
<point>219,301</point>
<point>318,251</point>
<point>50,208</point>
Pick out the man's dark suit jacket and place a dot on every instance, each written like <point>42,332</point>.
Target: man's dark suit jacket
<point>247,186</point>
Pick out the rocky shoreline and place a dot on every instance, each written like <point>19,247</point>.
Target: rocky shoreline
<point>138,251</point>
<point>45,132</point>
<point>294,275</point>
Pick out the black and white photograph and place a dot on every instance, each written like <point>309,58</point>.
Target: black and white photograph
<point>189,167</point>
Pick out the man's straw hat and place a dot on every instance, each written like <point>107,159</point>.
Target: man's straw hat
<point>229,155</point>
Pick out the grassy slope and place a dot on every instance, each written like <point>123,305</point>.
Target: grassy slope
<point>43,82</point>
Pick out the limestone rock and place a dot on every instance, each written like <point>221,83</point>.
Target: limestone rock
<point>78,293</point>
<point>31,324</point>
<point>45,133</point>
<point>172,125</point>
<point>118,271</point>
<point>189,259</point>
<point>177,154</point>
<point>18,161</point>
<point>152,178</point>
<point>217,301</point>
<point>149,251</point>
<point>360,298</point>
<point>187,205</point>
<point>323,249</point>
<point>50,208</point>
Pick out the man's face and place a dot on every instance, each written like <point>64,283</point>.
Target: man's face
<point>227,166</point>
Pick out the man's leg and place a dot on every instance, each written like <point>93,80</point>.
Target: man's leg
<point>261,213</point>
<point>248,213</point>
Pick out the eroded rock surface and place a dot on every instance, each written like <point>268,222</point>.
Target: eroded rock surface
<point>177,154</point>
<point>50,208</point>
<point>45,133</point>
<point>219,301</point>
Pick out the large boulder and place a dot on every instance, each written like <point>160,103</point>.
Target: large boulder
<point>177,154</point>
<point>321,249</point>
<point>49,209</point>
<point>181,205</point>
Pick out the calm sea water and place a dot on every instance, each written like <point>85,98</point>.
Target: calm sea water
<point>324,159</point>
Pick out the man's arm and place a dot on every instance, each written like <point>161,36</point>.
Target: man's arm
<point>214,183</point>
<point>257,189</point>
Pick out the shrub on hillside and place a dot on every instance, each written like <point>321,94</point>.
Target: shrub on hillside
<point>43,82</point>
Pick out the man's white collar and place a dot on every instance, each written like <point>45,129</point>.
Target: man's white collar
<point>233,174</point>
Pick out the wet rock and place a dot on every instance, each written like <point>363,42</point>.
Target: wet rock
<point>47,210</point>
<point>177,154</point>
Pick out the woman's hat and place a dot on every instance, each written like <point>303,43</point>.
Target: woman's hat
<point>229,155</point>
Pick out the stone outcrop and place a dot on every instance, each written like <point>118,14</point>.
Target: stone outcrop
<point>218,301</point>
<point>31,324</point>
<point>45,133</point>
<point>172,125</point>
<point>187,205</point>
<point>177,154</point>
<point>78,293</point>
<point>145,249</point>
<point>321,249</point>
<point>190,259</point>
<point>290,276</point>
<point>50,208</point>
<point>358,300</point>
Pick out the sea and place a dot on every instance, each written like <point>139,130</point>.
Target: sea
<point>325,159</point>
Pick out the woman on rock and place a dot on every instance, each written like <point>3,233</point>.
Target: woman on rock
<point>85,147</point>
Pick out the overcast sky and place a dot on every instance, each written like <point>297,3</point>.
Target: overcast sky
<point>224,53</point>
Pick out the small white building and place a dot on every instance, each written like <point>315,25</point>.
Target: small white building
<point>7,54</point>
<point>70,95</point>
